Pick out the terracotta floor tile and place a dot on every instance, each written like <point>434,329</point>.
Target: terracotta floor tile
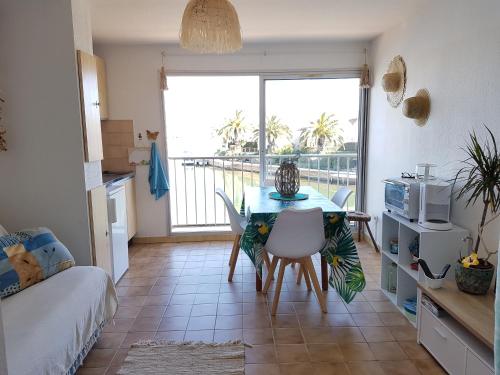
<point>262,369</point>
<point>284,321</point>
<point>204,309</point>
<point>374,295</point>
<point>340,320</point>
<point>357,352</point>
<point>230,309</point>
<point>119,357</point>
<point>393,319</point>
<point>98,358</point>
<point>175,323</point>
<point>324,368</point>
<point>229,322</point>
<point>125,312</point>
<point>91,371</point>
<point>399,368</point>
<point>119,325</point>
<point>288,336</point>
<point>224,335</point>
<point>197,323</point>
<point>359,307</point>
<point>258,336</point>
<point>202,335</point>
<point>428,367</point>
<point>383,306</point>
<point>376,334</point>
<point>296,368</point>
<point>152,312</point>
<point>325,353</point>
<point>292,353</point>
<point>178,310</point>
<point>414,350</point>
<point>319,335</point>
<point>347,334</point>
<point>407,333</point>
<point>110,340</point>
<point>170,335</point>
<point>367,320</point>
<point>134,337</point>
<point>387,351</point>
<point>365,368</point>
<point>260,354</point>
<point>145,325</point>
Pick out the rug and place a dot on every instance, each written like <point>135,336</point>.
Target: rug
<point>174,358</point>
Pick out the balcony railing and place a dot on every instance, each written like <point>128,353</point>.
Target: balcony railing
<point>193,181</point>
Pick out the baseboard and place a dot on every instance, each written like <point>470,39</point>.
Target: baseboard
<point>191,237</point>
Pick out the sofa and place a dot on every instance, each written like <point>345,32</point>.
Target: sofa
<point>50,327</point>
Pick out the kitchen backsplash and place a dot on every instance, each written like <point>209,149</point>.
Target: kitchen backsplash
<point>117,138</point>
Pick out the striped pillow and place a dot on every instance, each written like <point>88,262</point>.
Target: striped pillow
<point>28,257</point>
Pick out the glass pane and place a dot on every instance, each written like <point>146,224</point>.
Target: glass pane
<point>318,119</point>
<point>210,122</point>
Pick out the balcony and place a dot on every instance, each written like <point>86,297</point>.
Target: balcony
<point>194,205</point>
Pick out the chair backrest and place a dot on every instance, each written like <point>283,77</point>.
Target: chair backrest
<point>235,218</point>
<point>297,233</point>
<point>340,197</point>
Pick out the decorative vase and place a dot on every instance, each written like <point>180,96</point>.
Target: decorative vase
<point>287,179</point>
<point>474,280</point>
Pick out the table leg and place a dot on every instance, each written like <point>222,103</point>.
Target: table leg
<point>360,230</point>
<point>258,281</point>
<point>371,236</point>
<point>324,273</point>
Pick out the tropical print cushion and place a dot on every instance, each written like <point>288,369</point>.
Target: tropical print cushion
<point>30,256</point>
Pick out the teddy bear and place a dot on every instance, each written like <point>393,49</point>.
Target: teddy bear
<point>25,265</point>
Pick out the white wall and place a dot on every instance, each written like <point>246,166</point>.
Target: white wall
<point>452,48</point>
<point>133,90</point>
<point>42,175</point>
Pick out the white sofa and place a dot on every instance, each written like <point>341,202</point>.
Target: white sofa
<point>49,327</point>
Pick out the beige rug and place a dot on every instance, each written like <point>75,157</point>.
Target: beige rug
<point>173,358</point>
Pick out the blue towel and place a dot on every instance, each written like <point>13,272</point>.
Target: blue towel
<point>158,183</point>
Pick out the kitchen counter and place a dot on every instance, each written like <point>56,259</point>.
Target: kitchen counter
<point>109,178</point>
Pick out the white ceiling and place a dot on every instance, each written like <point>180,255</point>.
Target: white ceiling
<point>158,21</point>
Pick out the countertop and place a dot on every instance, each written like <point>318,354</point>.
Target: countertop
<point>109,178</point>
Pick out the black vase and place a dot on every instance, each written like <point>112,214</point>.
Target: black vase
<point>287,179</point>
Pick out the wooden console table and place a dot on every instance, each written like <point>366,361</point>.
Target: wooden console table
<point>462,339</point>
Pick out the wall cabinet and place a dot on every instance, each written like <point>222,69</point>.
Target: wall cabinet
<point>98,210</point>
<point>89,97</point>
<point>131,208</point>
<point>103,87</point>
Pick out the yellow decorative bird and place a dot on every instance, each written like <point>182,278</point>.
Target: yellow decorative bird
<point>336,261</point>
<point>471,260</point>
<point>333,219</point>
<point>262,228</point>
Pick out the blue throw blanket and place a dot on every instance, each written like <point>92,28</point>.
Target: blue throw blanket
<point>158,183</point>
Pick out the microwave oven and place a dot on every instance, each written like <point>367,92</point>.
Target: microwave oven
<point>402,197</point>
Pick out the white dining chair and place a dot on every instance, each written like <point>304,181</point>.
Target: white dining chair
<point>295,237</point>
<point>238,225</point>
<point>341,196</point>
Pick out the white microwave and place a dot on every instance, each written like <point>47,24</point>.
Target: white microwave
<point>402,196</point>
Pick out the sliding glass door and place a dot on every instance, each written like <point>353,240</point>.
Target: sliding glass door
<point>232,131</point>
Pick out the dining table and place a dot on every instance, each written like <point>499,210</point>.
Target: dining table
<point>339,252</point>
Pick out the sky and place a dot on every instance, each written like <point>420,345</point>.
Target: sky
<point>196,106</point>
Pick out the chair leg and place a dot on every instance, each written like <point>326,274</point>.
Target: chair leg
<point>360,230</point>
<point>236,251</point>
<point>306,276</point>
<point>277,291</point>
<point>270,274</point>
<point>299,275</point>
<point>371,236</point>
<point>235,244</point>
<point>267,262</point>
<point>293,264</point>
<point>310,268</point>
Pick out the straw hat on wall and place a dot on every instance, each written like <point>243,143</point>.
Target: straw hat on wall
<point>394,81</point>
<point>418,107</point>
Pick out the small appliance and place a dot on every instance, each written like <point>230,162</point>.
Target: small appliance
<point>117,219</point>
<point>402,196</point>
<point>435,201</point>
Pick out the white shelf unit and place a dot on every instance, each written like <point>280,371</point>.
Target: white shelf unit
<point>437,248</point>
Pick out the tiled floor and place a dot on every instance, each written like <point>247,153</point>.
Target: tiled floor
<point>180,292</point>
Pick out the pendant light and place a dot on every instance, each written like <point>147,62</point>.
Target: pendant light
<point>364,81</point>
<point>210,26</point>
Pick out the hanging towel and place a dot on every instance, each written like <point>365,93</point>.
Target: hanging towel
<point>158,183</point>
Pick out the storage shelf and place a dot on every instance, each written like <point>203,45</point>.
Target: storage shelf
<point>410,271</point>
<point>391,256</point>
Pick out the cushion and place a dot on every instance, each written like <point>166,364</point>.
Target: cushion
<point>3,232</point>
<point>30,256</point>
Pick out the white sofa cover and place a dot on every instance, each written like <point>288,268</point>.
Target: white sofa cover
<point>50,327</point>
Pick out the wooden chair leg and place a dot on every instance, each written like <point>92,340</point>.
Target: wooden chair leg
<point>293,264</point>
<point>274,263</point>
<point>306,277</point>
<point>235,244</point>
<point>236,251</point>
<point>301,272</point>
<point>267,262</point>
<point>319,294</point>
<point>277,291</point>
<point>360,230</point>
<point>373,239</point>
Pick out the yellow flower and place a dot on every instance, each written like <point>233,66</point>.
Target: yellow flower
<point>262,228</point>
<point>471,260</point>
<point>335,261</point>
<point>333,218</point>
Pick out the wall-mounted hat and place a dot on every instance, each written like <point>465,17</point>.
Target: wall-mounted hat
<point>418,107</point>
<point>394,81</point>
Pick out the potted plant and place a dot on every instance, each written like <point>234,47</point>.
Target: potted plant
<point>481,182</point>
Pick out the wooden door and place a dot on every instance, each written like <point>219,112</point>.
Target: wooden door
<point>103,87</point>
<point>131,208</point>
<point>89,97</point>
<point>101,249</point>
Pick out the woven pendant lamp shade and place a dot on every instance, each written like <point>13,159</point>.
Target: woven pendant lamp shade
<point>210,26</point>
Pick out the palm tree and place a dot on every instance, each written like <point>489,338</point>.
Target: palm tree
<point>233,130</point>
<point>274,130</point>
<point>325,130</point>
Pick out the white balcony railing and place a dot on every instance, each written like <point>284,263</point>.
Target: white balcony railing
<point>193,181</point>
